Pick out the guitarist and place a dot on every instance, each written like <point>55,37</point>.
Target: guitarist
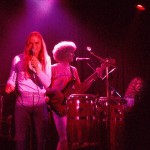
<point>63,76</point>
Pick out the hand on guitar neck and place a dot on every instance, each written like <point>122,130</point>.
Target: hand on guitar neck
<point>85,85</point>
<point>57,99</point>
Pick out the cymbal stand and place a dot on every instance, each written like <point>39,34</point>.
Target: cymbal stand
<point>108,109</point>
<point>108,63</point>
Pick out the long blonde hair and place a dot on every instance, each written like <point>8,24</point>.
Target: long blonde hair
<point>42,55</point>
<point>131,92</point>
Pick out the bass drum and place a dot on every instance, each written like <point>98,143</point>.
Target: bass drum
<point>82,124</point>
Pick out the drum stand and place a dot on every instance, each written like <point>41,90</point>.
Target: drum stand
<point>114,118</point>
<point>107,62</point>
<point>108,124</point>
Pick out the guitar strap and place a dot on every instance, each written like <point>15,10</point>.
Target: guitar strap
<point>70,84</point>
<point>72,74</point>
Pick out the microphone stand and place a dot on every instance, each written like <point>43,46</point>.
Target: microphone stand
<point>108,109</point>
<point>114,91</point>
<point>108,63</point>
<point>103,60</point>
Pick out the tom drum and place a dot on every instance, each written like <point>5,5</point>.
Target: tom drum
<point>82,121</point>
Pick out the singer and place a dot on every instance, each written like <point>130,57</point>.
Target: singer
<point>31,87</point>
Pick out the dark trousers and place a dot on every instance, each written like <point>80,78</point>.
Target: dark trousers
<point>29,119</point>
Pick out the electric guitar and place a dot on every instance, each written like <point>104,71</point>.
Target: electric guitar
<point>59,106</point>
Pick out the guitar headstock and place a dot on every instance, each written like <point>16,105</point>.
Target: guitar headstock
<point>110,63</point>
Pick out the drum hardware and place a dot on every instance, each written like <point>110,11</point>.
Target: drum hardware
<point>117,103</point>
<point>114,92</point>
<point>109,72</point>
<point>82,123</point>
<point>83,118</point>
<point>110,111</point>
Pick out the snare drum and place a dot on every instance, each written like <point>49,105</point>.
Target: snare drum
<point>82,121</point>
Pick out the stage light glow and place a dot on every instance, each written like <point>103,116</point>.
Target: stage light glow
<point>140,7</point>
<point>41,6</point>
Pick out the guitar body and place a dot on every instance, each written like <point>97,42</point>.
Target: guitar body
<point>58,105</point>
<point>59,108</point>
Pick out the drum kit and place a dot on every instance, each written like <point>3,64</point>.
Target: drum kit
<point>89,115</point>
<point>93,121</point>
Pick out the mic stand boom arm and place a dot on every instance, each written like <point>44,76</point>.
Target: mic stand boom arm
<point>107,62</point>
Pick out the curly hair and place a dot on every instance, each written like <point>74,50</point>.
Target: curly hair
<point>60,50</point>
<point>131,90</point>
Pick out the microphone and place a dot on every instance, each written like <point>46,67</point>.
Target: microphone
<point>88,48</point>
<point>32,52</point>
<point>78,59</point>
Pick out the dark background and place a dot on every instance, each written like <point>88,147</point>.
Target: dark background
<point>112,28</point>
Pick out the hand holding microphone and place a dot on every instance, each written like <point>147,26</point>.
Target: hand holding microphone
<point>34,63</point>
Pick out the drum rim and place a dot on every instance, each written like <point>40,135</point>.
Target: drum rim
<point>82,95</point>
<point>82,98</point>
<point>102,97</point>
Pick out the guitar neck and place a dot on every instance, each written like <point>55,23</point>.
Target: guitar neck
<point>87,83</point>
<point>91,78</point>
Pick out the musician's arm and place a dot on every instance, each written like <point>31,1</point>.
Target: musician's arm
<point>54,91</point>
